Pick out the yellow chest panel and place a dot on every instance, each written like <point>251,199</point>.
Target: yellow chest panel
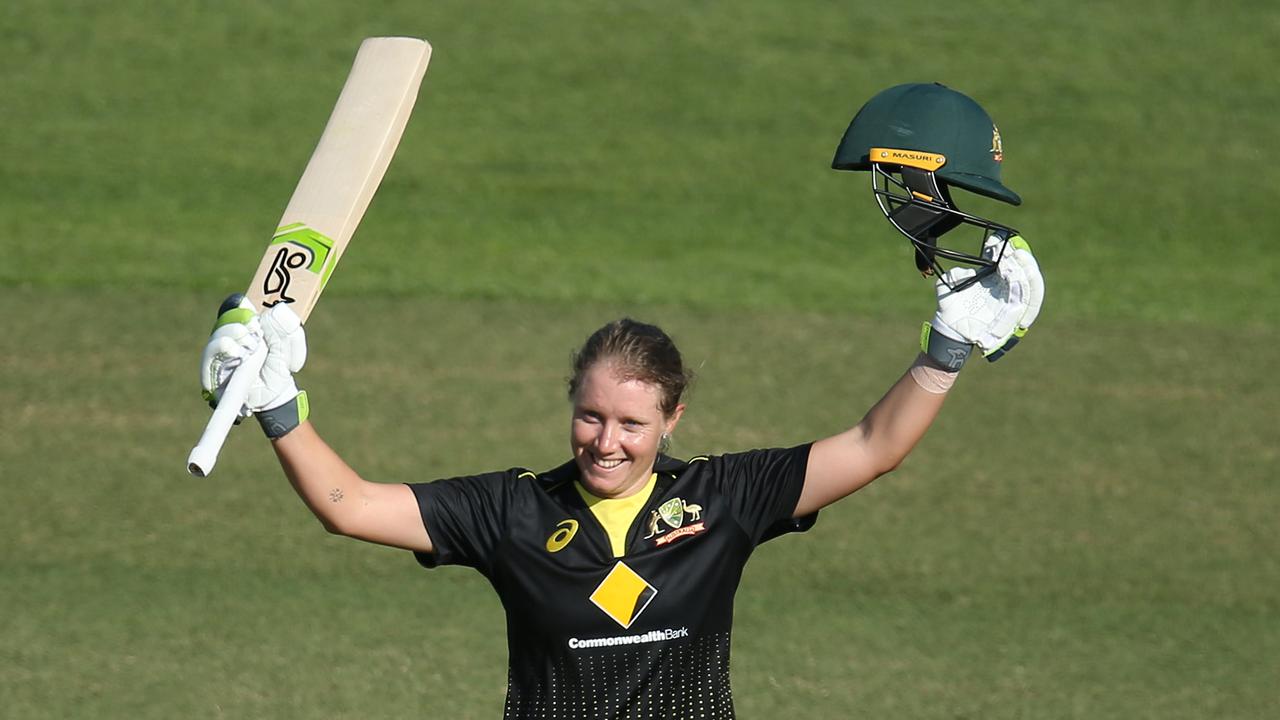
<point>616,514</point>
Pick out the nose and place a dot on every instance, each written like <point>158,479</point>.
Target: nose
<point>607,438</point>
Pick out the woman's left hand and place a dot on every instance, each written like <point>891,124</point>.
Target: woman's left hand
<point>992,314</point>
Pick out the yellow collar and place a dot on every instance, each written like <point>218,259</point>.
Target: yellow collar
<point>616,514</point>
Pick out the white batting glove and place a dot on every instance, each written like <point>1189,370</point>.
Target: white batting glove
<point>237,334</point>
<point>991,314</point>
<point>1020,252</point>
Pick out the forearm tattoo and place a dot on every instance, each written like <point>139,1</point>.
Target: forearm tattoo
<point>335,495</point>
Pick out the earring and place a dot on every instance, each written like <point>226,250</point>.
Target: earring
<point>664,442</point>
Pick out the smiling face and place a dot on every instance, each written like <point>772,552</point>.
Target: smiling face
<point>617,427</point>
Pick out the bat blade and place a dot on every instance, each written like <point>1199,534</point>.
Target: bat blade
<point>345,170</point>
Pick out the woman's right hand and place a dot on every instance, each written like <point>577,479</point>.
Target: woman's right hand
<point>237,333</point>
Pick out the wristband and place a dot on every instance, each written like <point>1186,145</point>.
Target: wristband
<point>945,351</point>
<point>279,421</point>
<point>930,377</point>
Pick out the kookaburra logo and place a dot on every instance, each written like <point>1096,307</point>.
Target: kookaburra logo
<point>672,514</point>
<point>997,147</point>
<point>288,259</point>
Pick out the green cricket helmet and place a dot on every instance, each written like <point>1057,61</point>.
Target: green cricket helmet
<point>919,140</point>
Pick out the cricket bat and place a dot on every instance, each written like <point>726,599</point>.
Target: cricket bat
<point>344,172</point>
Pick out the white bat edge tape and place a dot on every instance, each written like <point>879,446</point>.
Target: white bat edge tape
<point>205,454</point>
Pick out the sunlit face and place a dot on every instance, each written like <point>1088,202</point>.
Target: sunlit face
<point>617,426</point>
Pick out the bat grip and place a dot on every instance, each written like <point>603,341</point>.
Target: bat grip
<point>205,454</point>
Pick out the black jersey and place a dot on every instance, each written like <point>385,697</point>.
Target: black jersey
<point>591,635</point>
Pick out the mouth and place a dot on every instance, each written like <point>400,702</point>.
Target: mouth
<point>606,463</point>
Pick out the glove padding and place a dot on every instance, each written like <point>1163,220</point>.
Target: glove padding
<point>995,312</point>
<point>236,335</point>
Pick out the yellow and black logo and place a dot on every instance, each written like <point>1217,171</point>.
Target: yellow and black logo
<point>623,594</point>
<point>565,531</point>
<point>911,158</point>
<point>997,146</point>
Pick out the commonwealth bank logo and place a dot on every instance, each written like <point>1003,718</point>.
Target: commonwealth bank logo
<point>623,594</point>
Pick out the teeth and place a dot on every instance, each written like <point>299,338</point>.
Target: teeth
<point>608,464</point>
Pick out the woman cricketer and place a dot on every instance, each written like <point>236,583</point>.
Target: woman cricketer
<point>617,570</point>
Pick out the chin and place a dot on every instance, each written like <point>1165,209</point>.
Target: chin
<point>602,486</point>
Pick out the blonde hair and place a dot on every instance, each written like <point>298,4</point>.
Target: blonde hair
<point>636,351</point>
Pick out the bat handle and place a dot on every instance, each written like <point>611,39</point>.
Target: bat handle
<point>205,454</point>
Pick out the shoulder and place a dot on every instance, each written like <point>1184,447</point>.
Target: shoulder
<point>549,481</point>
<point>733,463</point>
<point>512,480</point>
<point>494,485</point>
<point>675,466</point>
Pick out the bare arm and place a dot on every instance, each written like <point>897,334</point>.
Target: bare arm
<point>345,503</point>
<point>844,463</point>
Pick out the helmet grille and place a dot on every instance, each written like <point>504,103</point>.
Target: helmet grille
<point>919,205</point>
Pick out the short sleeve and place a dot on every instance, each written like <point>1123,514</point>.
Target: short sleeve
<point>763,487</point>
<point>465,517</point>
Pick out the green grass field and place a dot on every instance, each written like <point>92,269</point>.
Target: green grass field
<point>1088,531</point>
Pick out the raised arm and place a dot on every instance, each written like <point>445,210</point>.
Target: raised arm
<point>341,500</point>
<point>991,315</point>
<point>344,502</point>
<point>843,463</point>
